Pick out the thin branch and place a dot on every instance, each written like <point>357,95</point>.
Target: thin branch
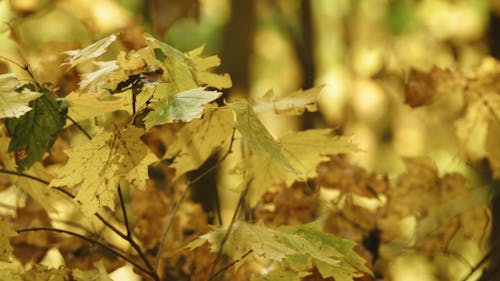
<point>183,195</point>
<point>241,201</point>
<point>229,265</point>
<point>15,173</point>
<point>482,261</point>
<point>169,224</point>
<point>93,241</point>
<point>79,127</point>
<point>129,237</point>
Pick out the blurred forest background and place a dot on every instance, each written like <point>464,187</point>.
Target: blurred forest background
<point>361,50</point>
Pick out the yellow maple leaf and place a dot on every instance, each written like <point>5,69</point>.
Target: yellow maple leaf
<point>202,65</point>
<point>98,166</point>
<point>199,139</point>
<point>85,106</point>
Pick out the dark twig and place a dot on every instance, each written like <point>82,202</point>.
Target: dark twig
<point>15,173</point>
<point>241,201</point>
<point>229,265</point>
<point>130,238</point>
<point>79,127</point>
<point>183,195</point>
<point>93,241</point>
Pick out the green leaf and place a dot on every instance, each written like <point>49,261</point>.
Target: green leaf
<point>280,274</point>
<point>333,256</point>
<point>13,103</point>
<point>6,232</point>
<point>199,139</point>
<point>260,140</point>
<point>34,133</point>
<point>159,55</point>
<point>184,107</point>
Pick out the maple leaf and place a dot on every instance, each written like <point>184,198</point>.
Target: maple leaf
<point>292,104</point>
<point>184,107</point>
<point>34,133</point>
<point>6,232</point>
<point>12,103</point>
<point>304,151</point>
<point>85,106</point>
<point>260,140</point>
<point>333,256</point>
<point>42,273</point>
<point>202,65</point>
<point>90,52</point>
<point>100,164</point>
<point>199,139</point>
<point>178,71</point>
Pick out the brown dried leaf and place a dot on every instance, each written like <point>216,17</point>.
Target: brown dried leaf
<point>423,88</point>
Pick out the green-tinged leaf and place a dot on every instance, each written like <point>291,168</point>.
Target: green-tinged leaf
<point>306,149</point>
<point>333,256</point>
<point>90,52</point>
<point>255,133</point>
<point>6,232</point>
<point>184,107</point>
<point>159,55</point>
<point>12,103</point>
<point>178,72</point>
<point>97,274</point>
<point>199,139</point>
<point>202,65</point>
<point>293,104</point>
<point>100,164</point>
<point>34,133</point>
<point>85,106</point>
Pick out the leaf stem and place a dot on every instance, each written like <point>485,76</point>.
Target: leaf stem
<point>15,173</point>
<point>229,265</point>
<point>93,241</point>
<point>241,201</point>
<point>79,127</point>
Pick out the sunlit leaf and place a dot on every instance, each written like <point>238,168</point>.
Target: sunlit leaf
<point>85,106</point>
<point>34,133</point>
<point>6,232</point>
<point>202,65</point>
<point>98,166</point>
<point>333,256</point>
<point>293,104</point>
<point>199,139</point>
<point>90,52</point>
<point>184,107</point>
<point>12,103</point>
